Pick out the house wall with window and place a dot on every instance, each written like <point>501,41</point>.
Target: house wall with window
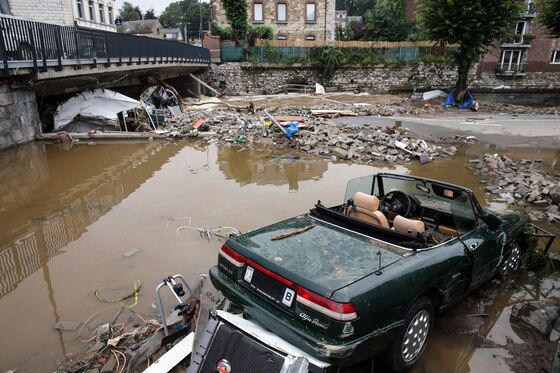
<point>51,11</point>
<point>528,49</point>
<point>98,14</point>
<point>290,19</point>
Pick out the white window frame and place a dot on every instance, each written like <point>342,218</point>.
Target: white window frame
<point>101,13</point>
<point>259,6</point>
<point>279,13</point>
<point>111,18</point>
<point>511,63</point>
<point>555,57</point>
<point>91,10</point>
<point>80,8</point>
<point>307,5</point>
<point>525,27</point>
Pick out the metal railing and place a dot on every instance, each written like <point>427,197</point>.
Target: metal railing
<point>513,69</point>
<point>37,45</point>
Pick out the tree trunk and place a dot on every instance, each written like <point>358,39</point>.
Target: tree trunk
<point>463,66</point>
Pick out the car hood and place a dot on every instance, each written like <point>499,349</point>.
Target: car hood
<point>322,259</point>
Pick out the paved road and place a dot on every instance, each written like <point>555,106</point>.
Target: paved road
<point>498,129</point>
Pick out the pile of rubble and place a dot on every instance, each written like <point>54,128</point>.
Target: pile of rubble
<point>364,144</point>
<point>522,182</point>
<point>317,135</point>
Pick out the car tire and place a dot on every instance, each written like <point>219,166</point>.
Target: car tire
<point>408,347</point>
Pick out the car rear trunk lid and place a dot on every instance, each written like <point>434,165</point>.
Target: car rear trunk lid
<point>322,259</point>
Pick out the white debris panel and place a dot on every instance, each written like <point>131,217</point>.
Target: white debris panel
<point>97,106</point>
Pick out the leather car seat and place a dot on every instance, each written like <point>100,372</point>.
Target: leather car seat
<point>366,208</point>
<point>408,226</point>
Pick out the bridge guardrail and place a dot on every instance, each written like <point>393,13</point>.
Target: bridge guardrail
<point>38,45</point>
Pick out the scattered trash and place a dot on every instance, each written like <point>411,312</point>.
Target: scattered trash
<point>67,326</point>
<point>219,233</point>
<point>131,252</point>
<point>431,95</point>
<point>120,294</point>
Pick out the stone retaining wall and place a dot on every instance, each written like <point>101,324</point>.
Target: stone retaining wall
<point>19,117</point>
<point>242,78</point>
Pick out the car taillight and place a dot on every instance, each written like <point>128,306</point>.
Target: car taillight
<point>233,257</point>
<point>330,308</point>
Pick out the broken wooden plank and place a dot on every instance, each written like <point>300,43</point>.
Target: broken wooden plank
<point>215,91</point>
<point>342,113</point>
<point>289,118</point>
<point>171,358</point>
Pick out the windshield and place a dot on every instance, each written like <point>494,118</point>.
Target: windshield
<point>365,184</point>
<point>453,201</point>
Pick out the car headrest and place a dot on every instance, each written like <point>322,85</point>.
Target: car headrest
<point>408,226</point>
<point>366,201</point>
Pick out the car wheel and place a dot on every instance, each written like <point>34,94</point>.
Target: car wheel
<point>410,344</point>
<point>513,261</point>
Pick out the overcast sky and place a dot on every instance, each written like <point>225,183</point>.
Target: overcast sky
<point>158,5</point>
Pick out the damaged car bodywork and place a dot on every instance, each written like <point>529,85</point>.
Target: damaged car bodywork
<point>345,283</point>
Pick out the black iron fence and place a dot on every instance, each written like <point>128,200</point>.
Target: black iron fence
<point>37,45</point>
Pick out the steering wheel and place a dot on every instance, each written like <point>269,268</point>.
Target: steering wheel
<point>397,202</point>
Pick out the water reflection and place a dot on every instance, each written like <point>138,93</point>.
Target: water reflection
<point>94,203</point>
<point>268,167</point>
<point>59,198</point>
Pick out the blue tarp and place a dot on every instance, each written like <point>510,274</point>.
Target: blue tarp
<point>450,100</point>
<point>291,129</point>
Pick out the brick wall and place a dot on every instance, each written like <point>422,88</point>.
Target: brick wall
<point>19,117</point>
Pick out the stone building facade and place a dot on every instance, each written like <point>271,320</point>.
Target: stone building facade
<point>97,14</point>
<point>312,20</point>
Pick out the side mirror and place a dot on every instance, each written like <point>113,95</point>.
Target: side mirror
<point>491,220</point>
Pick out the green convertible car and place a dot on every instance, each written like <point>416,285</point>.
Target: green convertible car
<point>345,283</point>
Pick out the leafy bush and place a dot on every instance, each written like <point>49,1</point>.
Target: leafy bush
<point>263,32</point>
<point>223,32</point>
<point>327,60</point>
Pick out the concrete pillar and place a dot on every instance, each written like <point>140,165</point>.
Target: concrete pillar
<point>19,117</point>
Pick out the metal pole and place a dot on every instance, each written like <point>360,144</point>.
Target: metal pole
<point>3,50</point>
<point>58,48</point>
<point>33,49</point>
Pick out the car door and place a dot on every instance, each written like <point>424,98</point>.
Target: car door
<point>486,247</point>
<point>484,244</point>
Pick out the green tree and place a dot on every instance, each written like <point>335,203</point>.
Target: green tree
<point>150,14</point>
<point>387,21</point>
<point>185,14</point>
<point>549,16</point>
<point>473,24</point>
<point>236,13</point>
<point>173,15</point>
<point>128,13</point>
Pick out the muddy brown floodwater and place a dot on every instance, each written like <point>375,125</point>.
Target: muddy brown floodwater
<point>67,216</point>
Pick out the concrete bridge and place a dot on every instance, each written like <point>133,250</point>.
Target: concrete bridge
<point>39,59</point>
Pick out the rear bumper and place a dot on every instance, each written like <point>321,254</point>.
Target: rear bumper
<point>324,349</point>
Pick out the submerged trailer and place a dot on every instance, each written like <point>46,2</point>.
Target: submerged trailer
<point>230,343</point>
